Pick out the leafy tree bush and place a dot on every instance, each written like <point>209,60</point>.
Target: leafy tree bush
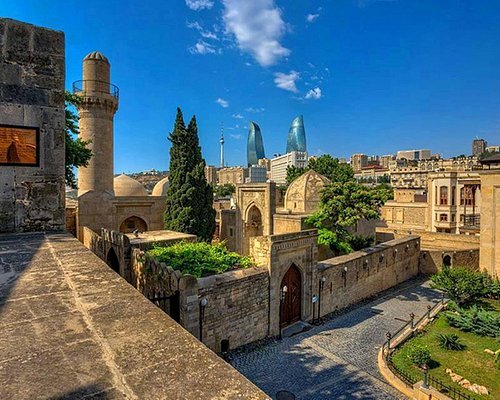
<point>461,285</point>
<point>227,189</point>
<point>359,242</point>
<point>497,360</point>
<point>325,165</point>
<point>419,354</point>
<point>450,341</point>
<point>476,320</point>
<point>77,153</point>
<point>342,206</point>
<point>199,259</point>
<point>189,196</point>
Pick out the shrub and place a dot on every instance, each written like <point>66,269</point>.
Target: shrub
<point>461,285</point>
<point>419,354</point>
<point>476,320</point>
<point>450,342</point>
<point>199,259</point>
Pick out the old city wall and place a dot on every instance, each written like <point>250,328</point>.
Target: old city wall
<point>237,308</point>
<point>410,215</point>
<point>32,74</point>
<point>432,240</point>
<point>359,275</point>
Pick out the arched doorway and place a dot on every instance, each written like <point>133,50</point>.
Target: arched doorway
<point>447,261</point>
<point>133,223</point>
<point>254,222</point>
<point>252,227</point>
<point>112,261</point>
<point>290,296</point>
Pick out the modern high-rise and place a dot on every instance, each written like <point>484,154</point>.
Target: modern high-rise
<point>255,146</point>
<point>280,164</point>
<point>296,136</point>
<point>421,154</point>
<point>478,147</point>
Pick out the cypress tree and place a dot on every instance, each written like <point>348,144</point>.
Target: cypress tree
<point>189,196</point>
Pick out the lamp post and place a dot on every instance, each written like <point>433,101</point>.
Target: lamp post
<point>321,285</point>
<point>283,291</point>
<point>203,304</point>
<point>425,370</point>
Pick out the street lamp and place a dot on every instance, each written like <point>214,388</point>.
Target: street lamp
<point>321,285</point>
<point>203,304</point>
<point>283,292</point>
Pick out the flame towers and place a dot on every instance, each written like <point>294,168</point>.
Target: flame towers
<point>296,136</point>
<point>255,146</point>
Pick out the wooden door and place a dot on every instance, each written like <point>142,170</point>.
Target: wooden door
<point>291,300</point>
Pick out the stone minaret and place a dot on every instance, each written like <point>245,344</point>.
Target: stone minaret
<point>97,109</point>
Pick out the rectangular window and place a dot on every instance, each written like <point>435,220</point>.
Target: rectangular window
<point>443,217</point>
<point>453,194</point>
<point>443,195</point>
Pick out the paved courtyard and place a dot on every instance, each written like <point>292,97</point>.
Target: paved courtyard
<point>337,360</point>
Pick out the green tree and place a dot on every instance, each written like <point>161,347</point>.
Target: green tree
<point>325,165</point>
<point>343,204</point>
<point>189,196</point>
<point>77,152</point>
<point>462,285</point>
<point>227,189</point>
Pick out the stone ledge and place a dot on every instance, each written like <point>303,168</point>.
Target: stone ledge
<point>72,327</point>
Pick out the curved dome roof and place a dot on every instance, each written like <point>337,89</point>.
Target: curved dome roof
<point>304,193</point>
<point>96,55</point>
<point>126,186</point>
<point>161,187</point>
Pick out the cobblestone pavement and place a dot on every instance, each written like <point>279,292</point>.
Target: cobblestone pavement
<point>337,360</point>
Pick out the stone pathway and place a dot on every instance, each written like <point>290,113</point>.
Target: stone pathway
<point>337,360</point>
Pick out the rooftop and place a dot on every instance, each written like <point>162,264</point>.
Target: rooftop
<point>70,327</point>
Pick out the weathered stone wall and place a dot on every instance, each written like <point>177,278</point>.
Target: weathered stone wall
<point>93,242</point>
<point>32,74</point>
<point>356,276</point>
<point>490,222</point>
<point>432,240</point>
<point>227,228</point>
<point>288,223</point>
<point>431,261</point>
<point>237,308</point>
<point>405,215</point>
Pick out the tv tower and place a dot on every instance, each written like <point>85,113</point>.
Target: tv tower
<point>222,146</point>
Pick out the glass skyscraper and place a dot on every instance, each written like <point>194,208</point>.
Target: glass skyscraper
<point>255,146</point>
<point>296,136</point>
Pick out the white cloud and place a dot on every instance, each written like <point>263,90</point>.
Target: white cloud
<point>314,94</point>
<point>286,81</point>
<point>236,136</point>
<point>202,47</point>
<point>257,26</point>
<point>223,103</point>
<point>205,34</point>
<point>311,17</point>
<point>255,110</point>
<point>198,5</point>
<point>238,116</point>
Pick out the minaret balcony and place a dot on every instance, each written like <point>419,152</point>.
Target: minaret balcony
<point>87,88</point>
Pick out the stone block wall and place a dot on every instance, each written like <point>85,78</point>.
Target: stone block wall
<point>32,75</point>
<point>237,309</point>
<point>431,261</point>
<point>432,240</point>
<point>93,242</point>
<point>359,275</point>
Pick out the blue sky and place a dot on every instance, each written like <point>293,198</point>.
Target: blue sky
<point>371,76</point>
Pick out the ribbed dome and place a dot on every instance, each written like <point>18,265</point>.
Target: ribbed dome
<point>126,186</point>
<point>96,55</point>
<point>304,193</point>
<point>161,187</point>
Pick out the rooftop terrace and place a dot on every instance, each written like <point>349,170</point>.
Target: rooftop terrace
<point>70,327</point>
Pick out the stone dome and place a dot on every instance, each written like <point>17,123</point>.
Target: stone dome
<point>304,193</point>
<point>96,55</point>
<point>126,186</point>
<point>161,187</point>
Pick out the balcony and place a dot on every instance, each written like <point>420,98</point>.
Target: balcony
<point>472,221</point>
<point>92,88</point>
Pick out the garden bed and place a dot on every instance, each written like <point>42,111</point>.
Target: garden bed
<point>200,259</point>
<point>472,363</point>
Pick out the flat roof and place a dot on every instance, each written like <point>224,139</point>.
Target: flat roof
<point>159,236</point>
<point>71,327</point>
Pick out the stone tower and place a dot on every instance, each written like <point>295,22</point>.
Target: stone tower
<point>97,109</point>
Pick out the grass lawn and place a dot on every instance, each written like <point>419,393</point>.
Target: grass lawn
<point>472,363</point>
